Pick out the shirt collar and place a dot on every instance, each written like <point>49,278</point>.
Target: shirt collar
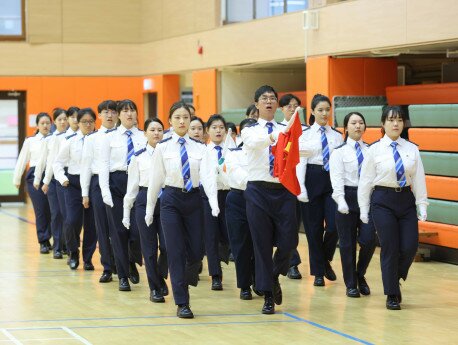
<point>387,141</point>
<point>284,122</point>
<point>263,123</point>
<point>175,137</point>
<point>316,127</point>
<point>149,149</point>
<point>103,128</point>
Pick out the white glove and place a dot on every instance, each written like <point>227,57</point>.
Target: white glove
<point>149,219</point>
<point>364,218</point>
<point>422,215</point>
<point>215,212</point>
<point>126,222</point>
<point>342,206</point>
<point>107,200</point>
<point>303,197</point>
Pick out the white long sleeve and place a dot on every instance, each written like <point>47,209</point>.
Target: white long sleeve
<point>133,183</point>
<point>156,181</point>
<point>61,162</point>
<point>22,160</point>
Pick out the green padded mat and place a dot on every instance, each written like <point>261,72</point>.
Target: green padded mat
<point>372,115</point>
<point>441,211</point>
<point>434,115</point>
<point>6,183</point>
<point>439,163</point>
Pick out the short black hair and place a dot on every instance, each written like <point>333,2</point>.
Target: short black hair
<point>285,99</point>
<point>57,112</point>
<point>126,104</point>
<point>232,126</point>
<point>263,89</point>
<point>72,110</point>
<point>216,117</point>
<point>251,109</point>
<point>106,105</point>
<point>196,118</point>
<point>347,118</point>
<point>85,111</point>
<point>149,121</point>
<point>177,105</point>
<point>394,110</point>
<point>41,115</point>
<point>246,122</point>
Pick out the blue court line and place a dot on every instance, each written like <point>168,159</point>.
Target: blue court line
<point>328,329</point>
<point>17,217</point>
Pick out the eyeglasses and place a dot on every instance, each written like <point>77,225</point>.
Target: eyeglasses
<point>264,99</point>
<point>292,106</point>
<point>89,122</point>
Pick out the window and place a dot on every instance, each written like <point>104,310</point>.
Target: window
<point>245,10</point>
<point>12,25</point>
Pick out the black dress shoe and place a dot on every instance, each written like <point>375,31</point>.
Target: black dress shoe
<point>156,296</point>
<point>363,287</point>
<point>106,277</point>
<point>278,295</point>
<point>329,272</point>
<point>245,294</point>
<point>44,249</point>
<point>184,311</point>
<point>319,281</point>
<point>293,273</point>
<point>57,254</point>
<point>124,284</point>
<point>74,260</point>
<point>88,266</point>
<point>392,302</point>
<point>133,273</point>
<point>50,247</point>
<point>217,283</point>
<point>164,289</point>
<point>269,306</point>
<point>353,292</point>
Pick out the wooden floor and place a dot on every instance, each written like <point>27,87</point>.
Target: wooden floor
<point>43,302</point>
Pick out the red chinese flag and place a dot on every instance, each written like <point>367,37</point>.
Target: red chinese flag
<point>287,157</point>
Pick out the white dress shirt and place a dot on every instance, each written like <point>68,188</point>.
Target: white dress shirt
<point>113,154</point>
<point>46,156</point>
<point>166,169</point>
<point>256,142</point>
<point>221,179</point>
<point>31,152</point>
<point>91,161</point>
<point>310,143</point>
<point>343,167</point>
<point>138,176</point>
<point>236,168</point>
<point>70,154</point>
<point>379,170</point>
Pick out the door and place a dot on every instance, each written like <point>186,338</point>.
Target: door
<point>12,135</point>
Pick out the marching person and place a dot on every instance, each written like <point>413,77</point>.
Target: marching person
<point>345,168</point>
<point>30,153</point>
<point>196,129</point>
<point>270,207</point>
<point>90,189</point>
<point>316,145</point>
<point>116,151</point>
<point>236,218</point>
<point>137,185</point>
<point>392,186</point>
<point>70,154</point>
<point>177,164</point>
<point>50,188</point>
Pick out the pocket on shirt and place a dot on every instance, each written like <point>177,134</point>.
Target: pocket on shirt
<point>350,164</point>
<point>172,161</point>
<point>143,165</point>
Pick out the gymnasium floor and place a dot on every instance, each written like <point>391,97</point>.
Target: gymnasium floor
<point>43,302</point>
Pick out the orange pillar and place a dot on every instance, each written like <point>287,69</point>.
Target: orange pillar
<point>204,93</point>
<point>349,76</point>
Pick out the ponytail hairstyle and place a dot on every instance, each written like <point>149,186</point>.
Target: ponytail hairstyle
<point>315,101</point>
<point>57,112</point>
<point>151,120</point>
<point>38,118</point>
<point>347,119</point>
<point>178,105</point>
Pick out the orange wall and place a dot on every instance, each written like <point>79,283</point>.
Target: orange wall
<point>205,98</point>
<point>47,93</point>
<point>317,78</point>
<point>423,94</point>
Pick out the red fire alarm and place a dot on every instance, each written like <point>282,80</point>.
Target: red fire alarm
<point>200,50</point>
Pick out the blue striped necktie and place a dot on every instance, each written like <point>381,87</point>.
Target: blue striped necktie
<point>359,156</point>
<point>185,169</point>
<point>130,146</point>
<point>400,172</point>
<point>325,148</point>
<point>220,153</point>
<point>270,129</point>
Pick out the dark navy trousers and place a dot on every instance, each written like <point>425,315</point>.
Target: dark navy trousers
<point>101,224</point>
<point>271,215</point>
<point>240,238</point>
<point>395,219</point>
<point>215,233</point>
<point>77,217</point>
<point>149,238</point>
<point>352,231</point>
<point>181,219</point>
<point>56,215</point>
<point>40,207</point>
<point>321,207</point>
<point>125,242</point>
<point>295,257</point>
